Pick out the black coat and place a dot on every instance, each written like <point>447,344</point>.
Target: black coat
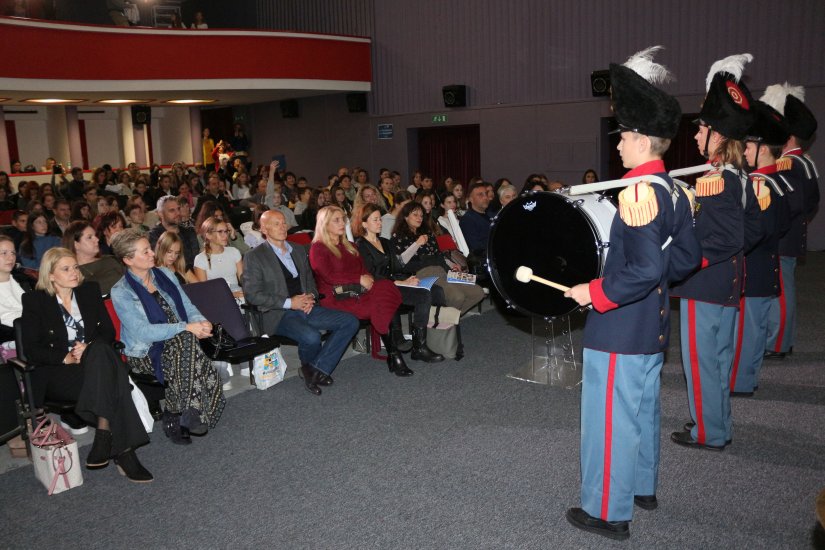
<point>45,339</point>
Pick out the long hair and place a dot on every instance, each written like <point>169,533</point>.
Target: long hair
<point>27,245</point>
<point>207,211</point>
<point>358,224</point>
<point>73,233</point>
<point>401,226</point>
<point>107,221</point>
<point>165,242</point>
<point>730,151</point>
<point>322,234</point>
<point>209,225</point>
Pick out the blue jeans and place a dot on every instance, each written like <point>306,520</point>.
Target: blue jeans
<point>306,330</point>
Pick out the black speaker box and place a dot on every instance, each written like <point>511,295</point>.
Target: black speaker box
<point>600,83</point>
<point>357,102</point>
<point>455,95</point>
<point>289,108</point>
<point>141,114</point>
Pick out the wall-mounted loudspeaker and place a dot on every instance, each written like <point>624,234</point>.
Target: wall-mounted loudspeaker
<point>141,114</point>
<point>289,108</point>
<point>600,83</point>
<point>357,102</point>
<point>455,95</point>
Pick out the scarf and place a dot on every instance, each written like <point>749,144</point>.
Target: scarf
<point>154,313</point>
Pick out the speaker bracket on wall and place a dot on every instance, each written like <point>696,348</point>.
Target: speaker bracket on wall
<point>357,102</point>
<point>455,95</point>
<point>600,83</point>
<point>290,108</point>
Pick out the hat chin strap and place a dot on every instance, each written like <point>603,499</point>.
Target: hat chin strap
<point>707,143</point>
<point>751,167</point>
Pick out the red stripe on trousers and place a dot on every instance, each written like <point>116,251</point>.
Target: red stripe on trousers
<point>782,311</point>
<point>694,369</point>
<point>739,332</point>
<point>608,434</point>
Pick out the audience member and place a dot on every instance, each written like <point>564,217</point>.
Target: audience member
<point>62,217</point>
<point>168,254</point>
<point>590,176</point>
<point>108,225</point>
<point>200,23</point>
<point>218,259</point>
<point>81,211</point>
<point>208,146</point>
<point>66,323</point>
<point>388,220</point>
<point>160,329</point>
<point>506,193</point>
<point>346,285</point>
<point>80,239</point>
<point>36,241</point>
<point>277,279</point>
<point>17,229</point>
<point>169,213</point>
<point>382,264</point>
<point>212,193</point>
<point>420,256</point>
<point>135,216</point>
<point>475,223</point>
<point>212,209</point>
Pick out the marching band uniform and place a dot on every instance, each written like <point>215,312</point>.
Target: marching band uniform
<point>800,172</point>
<point>762,262</point>
<point>651,242</point>
<point>710,297</point>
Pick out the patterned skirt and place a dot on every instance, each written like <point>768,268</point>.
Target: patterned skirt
<point>191,380</point>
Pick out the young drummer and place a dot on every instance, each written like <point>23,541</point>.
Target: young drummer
<point>652,243</point>
<point>710,297</point>
<point>763,145</point>
<point>803,198</point>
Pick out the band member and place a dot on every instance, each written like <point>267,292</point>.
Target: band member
<point>763,145</point>
<point>803,199</point>
<point>710,297</point>
<point>652,243</point>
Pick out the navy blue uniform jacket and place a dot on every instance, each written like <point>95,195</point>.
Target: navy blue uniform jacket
<point>631,312</point>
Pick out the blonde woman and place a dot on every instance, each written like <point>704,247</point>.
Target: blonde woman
<point>168,254</point>
<point>218,259</point>
<point>346,285</point>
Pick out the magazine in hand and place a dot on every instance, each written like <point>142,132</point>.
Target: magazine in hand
<point>461,278</point>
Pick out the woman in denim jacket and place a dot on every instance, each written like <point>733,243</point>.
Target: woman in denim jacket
<point>160,329</point>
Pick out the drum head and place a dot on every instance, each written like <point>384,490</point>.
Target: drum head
<point>549,234</point>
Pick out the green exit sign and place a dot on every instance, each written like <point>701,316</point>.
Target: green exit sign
<point>439,119</point>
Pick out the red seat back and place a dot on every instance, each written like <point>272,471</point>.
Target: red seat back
<point>300,238</point>
<point>113,316</point>
<point>446,242</point>
<point>6,216</point>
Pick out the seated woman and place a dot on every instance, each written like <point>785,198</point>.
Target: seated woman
<point>251,230</point>
<point>219,260</point>
<point>160,329</point>
<point>309,216</point>
<point>82,240</point>
<point>213,209</point>
<point>36,241</point>
<point>388,220</point>
<point>379,260</point>
<point>168,254</point>
<point>11,307</point>
<point>68,334</point>
<point>81,211</point>
<point>108,225</point>
<point>418,248</point>
<point>338,267</point>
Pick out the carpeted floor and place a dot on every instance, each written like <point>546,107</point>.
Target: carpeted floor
<point>457,456</point>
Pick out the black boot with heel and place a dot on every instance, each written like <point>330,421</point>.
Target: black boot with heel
<point>401,344</point>
<point>101,450</point>
<point>420,350</point>
<point>395,361</point>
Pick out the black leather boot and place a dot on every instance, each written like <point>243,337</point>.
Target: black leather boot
<point>420,350</point>
<point>101,451</point>
<point>190,420</point>
<point>173,430</point>
<point>395,361</point>
<point>401,344</point>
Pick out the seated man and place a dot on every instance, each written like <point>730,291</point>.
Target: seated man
<point>278,280</point>
<point>475,224</point>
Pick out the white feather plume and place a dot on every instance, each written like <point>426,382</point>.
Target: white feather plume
<point>642,64</point>
<point>776,94</point>
<point>733,64</point>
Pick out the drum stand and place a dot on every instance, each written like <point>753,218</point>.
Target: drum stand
<point>554,359</point>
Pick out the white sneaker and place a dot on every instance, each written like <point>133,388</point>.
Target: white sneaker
<point>75,431</point>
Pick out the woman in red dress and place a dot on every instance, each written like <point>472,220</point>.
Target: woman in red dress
<point>345,283</point>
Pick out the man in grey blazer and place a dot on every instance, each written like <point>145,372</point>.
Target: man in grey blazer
<point>278,280</point>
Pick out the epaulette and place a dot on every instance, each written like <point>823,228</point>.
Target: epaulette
<point>784,163</point>
<point>762,191</point>
<point>638,205</point>
<point>708,186</point>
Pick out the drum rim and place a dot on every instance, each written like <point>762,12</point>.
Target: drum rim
<point>576,203</point>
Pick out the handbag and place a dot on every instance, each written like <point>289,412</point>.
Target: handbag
<point>55,457</point>
<point>219,341</point>
<point>343,292</point>
<point>456,261</point>
<point>444,333</point>
<point>142,407</point>
<point>268,369</point>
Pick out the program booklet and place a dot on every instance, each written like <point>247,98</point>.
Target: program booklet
<point>461,278</point>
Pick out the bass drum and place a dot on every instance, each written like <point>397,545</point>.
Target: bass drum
<point>561,238</point>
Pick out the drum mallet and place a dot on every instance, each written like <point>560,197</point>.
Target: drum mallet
<point>524,274</point>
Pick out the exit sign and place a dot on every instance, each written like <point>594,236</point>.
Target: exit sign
<point>439,119</point>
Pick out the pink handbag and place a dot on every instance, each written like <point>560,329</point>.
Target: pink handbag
<point>55,457</point>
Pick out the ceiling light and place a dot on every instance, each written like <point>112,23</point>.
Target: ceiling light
<point>54,100</point>
<point>124,101</point>
<point>190,101</point>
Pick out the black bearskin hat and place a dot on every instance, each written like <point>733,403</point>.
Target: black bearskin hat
<point>640,106</point>
<point>769,126</point>
<point>727,105</point>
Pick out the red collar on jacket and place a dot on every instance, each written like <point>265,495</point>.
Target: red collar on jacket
<point>646,169</point>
